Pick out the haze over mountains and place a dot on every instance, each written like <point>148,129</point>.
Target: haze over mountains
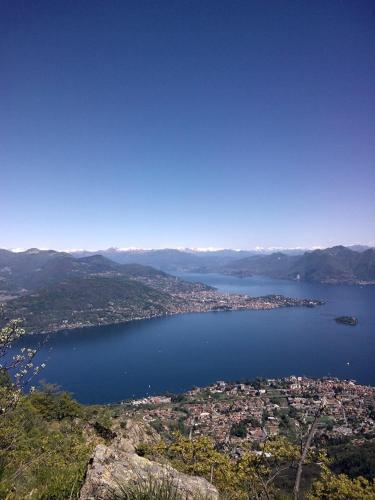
<point>35,268</point>
<point>277,263</point>
<point>331,265</point>
<point>338,264</point>
<point>171,259</point>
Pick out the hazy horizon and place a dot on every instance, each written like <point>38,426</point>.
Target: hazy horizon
<point>191,249</point>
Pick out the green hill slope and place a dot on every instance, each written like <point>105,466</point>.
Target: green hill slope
<point>93,300</point>
<point>331,265</point>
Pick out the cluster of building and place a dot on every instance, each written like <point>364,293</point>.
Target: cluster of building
<point>198,297</point>
<point>236,412</point>
<point>211,300</point>
<point>172,296</point>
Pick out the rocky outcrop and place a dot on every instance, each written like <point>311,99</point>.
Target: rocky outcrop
<point>116,465</point>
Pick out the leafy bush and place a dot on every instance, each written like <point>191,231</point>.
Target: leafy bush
<point>243,478</point>
<point>239,429</point>
<point>353,460</point>
<point>43,451</point>
<point>157,425</point>
<point>332,486</point>
<point>55,405</point>
<point>178,398</point>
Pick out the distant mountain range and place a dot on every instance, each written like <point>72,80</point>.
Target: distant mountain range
<point>34,269</point>
<point>176,260</point>
<point>338,264</point>
<point>170,259</point>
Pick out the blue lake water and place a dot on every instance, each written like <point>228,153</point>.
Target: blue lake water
<point>172,354</point>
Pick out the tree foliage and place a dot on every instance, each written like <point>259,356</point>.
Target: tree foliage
<point>250,476</point>
<point>43,449</point>
<point>332,486</point>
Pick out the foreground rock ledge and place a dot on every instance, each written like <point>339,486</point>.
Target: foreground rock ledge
<point>117,464</point>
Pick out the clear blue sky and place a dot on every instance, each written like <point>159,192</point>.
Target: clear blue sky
<point>187,123</point>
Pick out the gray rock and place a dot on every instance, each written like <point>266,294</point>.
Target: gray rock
<point>116,465</point>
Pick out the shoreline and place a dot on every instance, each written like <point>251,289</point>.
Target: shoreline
<point>293,280</point>
<point>150,398</point>
<point>251,306</point>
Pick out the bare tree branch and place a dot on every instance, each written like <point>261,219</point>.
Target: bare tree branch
<point>306,448</point>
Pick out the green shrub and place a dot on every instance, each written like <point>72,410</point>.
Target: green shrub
<point>55,406</point>
<point>43,450</point>
<point>149,489</point>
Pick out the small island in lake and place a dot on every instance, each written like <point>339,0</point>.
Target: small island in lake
<point>347,320</point>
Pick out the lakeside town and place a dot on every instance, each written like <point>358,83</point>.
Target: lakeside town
<point>195,301</point>
<point>212,300</point>
<point>233,414</point>
<point>166,299</point>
